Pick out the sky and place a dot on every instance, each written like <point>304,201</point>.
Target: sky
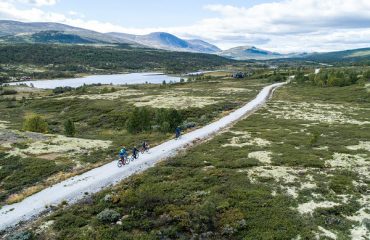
<point>276,25</point>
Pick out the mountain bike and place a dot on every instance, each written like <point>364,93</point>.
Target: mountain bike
<point>132,158</point>
<point>124,161</point>
<point>144,150</point>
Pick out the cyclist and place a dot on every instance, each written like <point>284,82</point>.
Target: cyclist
<point>123,154</point>
<point>144,146</point>
<point>135,151</point>
<point>178,132</point>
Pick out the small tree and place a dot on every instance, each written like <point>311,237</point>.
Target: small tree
<point>314,139</point>
<point>69,128</point>
<point>35,123</point>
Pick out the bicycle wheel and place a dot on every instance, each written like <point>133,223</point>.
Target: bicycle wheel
<point>119,163</point>
<point>127,160</point>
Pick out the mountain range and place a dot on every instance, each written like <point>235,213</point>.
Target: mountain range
<point>20,32</point>
<point>46,32</point>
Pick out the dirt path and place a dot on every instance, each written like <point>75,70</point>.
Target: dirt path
<point>74,189</point>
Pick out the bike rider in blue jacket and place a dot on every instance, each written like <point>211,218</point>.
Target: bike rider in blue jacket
<point>123,153</point>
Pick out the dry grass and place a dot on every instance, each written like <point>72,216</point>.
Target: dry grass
<point>17,197</point>
<point>177,101</point>
<point>122,94</point>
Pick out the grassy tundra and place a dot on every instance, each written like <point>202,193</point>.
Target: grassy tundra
<point>104,117</point>
<point>296,169</point>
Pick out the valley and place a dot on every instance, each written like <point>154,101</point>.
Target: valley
<point>100,125</point>
<point>200,120</point>
<point>302,168</point>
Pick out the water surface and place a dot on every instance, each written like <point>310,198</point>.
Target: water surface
<point>115,79</point>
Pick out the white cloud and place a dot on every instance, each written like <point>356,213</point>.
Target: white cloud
<point>288,25</point>
<point>39,2</point>
<point>74,13</point>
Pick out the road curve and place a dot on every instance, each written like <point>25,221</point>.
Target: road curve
<point>74,189</point>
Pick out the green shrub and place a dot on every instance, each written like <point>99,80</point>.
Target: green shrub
<point>69,221</point>
<point>108,216</point>
<point>314,138</point>
<point>69,128</point>
<point>188,125</point>
<point>139,120</point>
<point>35,123</point>
<point>60,90</point>
<point>9,92</point>
<point>165,127</point>
<point>24,235</point>
<point>17,172</point>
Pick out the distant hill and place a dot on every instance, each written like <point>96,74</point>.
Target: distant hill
<point>49,37</point>
<point>166,41</point>
<point>251,52</point>
<point>354,55</point>
<point>40,32</point>
<point>13,30</point>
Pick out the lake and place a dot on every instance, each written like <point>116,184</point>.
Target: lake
<point>115,79</point>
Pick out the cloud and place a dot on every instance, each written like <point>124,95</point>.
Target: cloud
<point>294,25</point>
<point>39,2</point>
<point>288,25</point>
<point>9,11</point>
<point>75,14</point>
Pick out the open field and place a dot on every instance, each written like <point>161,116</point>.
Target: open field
<point>32,161</point>
<point>271,176</point>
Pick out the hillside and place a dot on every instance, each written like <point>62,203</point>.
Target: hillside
<point>354,55</point>
<point>20,31</point>
<point>166,41</point>
<point>49,37</point>
<point>40,32</point>
<point>251,52</point>
<point>56,61</point>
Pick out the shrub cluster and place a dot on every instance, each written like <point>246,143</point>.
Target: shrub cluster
<point>145,119</point>
<point>330,78</point>
<point>35,123</point>
<point>24,235</point>
<point>60,90</point>
<point>108,216</point>
<point>8,92</point>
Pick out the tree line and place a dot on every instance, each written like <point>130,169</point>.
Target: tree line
<point>333,77</point>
